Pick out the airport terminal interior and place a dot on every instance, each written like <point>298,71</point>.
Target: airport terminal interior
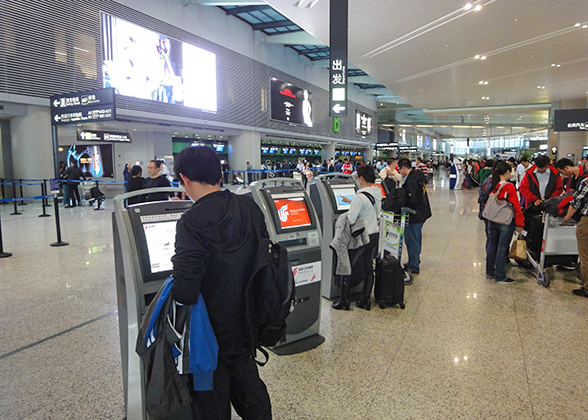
<point>270,85</point>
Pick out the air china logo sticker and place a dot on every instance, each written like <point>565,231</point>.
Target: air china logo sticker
<point>283,214</point>
<point>287,92</point>
<point>307,273</point>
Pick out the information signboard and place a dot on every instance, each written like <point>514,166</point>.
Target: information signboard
<point>338,34</point>
<point>82,107</point>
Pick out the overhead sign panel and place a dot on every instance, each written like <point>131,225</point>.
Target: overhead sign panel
<point>571,120</point>
<point>106,136</point>
<point>338,34</point>
<point>82,107</point>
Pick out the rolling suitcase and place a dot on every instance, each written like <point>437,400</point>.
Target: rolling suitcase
<point>389,288</point>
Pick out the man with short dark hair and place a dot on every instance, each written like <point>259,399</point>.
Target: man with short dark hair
<point>575,174</point>
<point>415,185</point>
<point>541,181</point>
<point>155,180</point>
<point>216,244</point>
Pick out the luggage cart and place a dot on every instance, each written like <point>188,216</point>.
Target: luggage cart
<point>392,236</point>
<point>559,242</point>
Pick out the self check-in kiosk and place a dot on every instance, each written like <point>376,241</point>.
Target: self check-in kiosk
<point>144,242</point>
<point>292,221</point>
<point>327,192</point>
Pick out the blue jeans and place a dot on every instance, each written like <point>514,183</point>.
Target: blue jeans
<point>413,238</point>
<point>499,237</point>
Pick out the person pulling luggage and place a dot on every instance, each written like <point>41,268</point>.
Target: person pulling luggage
<point>366,205</point>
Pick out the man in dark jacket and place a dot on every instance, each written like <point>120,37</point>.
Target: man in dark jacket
<point>73,174</point>
<point>541,181</point>
<point>215,246</point>
<point>574,174</point>
<point>415,184</point>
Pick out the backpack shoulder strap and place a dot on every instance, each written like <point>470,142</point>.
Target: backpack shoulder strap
<point>369,196</point>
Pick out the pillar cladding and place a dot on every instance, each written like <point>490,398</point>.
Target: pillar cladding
<point>244,148</point>
<point>328,151</point>
<point>32,146</point>
<point>368,154</point>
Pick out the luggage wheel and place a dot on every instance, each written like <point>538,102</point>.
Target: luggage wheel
<point>543,278</point>
<point>408,279</point>
<point>402,305</point>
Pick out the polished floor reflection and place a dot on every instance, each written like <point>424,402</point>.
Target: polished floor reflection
<point>464,347</point>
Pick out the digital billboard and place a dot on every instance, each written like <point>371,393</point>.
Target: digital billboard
<point>290,103</point>
<point>94,160</point>
<point>363,124</point>
<point>144,64</point>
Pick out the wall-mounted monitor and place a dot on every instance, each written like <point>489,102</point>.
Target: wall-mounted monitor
<point>95,161</point>
<point>219,148</point>
<point>144,64</point>
<point>290,103</point>
<point>265,150</point>
<point>273,150</point>
<point>363,124</point>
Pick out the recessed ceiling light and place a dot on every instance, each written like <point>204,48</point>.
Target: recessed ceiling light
<point>538,87</point>
<point>577,24</point>
<point>584,26</point>
<point>468,6</point>
<point>483,57</point>
<point>552,65</point>
<point>542,87</point>
<point>481,82</point>
<point>478,8</point>
<point>477,57</point>
<point>485,83</point>
<point>559,65</point>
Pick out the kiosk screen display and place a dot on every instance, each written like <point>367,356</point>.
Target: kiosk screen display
<point>292,210</point>
<point>160,238</point>
<point>339,193</point>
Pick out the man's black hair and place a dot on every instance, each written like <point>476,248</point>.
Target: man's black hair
<point>489,163</point>
<point>367,172</point>
<point>542,161</point>
<point>512,159</point>
<point>404,163</point>
<point>156,162</point>
<point>136,170</point>
<point>199,164</point>
<point>524,159</point>
<point>562,163</point>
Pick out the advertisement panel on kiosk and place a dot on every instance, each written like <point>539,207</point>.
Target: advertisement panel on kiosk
<point>144,239</point>
<point>327,193</point>
<point>292,222</point>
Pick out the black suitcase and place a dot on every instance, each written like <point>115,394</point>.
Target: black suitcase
<point>389,288</point>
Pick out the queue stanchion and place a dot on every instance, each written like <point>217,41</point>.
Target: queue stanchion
<point>22,203</point>
<point>45,200</point>
<point>58,225</point>
<point>44,195</point>
<point>2,253</point>
<point>2,191</point>
<point>16,212</point>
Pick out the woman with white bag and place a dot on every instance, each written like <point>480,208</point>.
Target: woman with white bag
<point>504,215</point>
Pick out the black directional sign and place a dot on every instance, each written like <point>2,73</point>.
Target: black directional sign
<point>80,107</point>
<point>571,119</point>
<point>339,11</point>
<point>106,136</point>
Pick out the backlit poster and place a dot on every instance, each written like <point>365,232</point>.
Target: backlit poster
<point>290,103</point>
<point>95,161</point>
<point>144,64</point>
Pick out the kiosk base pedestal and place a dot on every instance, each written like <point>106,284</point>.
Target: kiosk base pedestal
<point>299,346</point>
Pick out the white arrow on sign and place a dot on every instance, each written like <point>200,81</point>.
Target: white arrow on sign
<point>57,118</point>
<point>55,103</point>
<point>338,108</point>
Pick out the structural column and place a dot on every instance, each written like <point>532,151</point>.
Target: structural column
<point>570,142</point>
<point>368,154</point>
<point>244,148</point>
<point>328,151</point>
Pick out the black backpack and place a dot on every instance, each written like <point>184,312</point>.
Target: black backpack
<point>270,295</point>
<point>395,200</point>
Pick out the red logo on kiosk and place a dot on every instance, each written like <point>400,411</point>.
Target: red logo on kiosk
<point>292,212</point>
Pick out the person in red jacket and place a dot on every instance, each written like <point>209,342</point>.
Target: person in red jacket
<point>499,236</point>
<point>541,181</point>
<point>347,167</point>
<point>573,174</point>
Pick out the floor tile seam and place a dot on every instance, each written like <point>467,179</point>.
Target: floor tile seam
<point>524,356</point>
<point>44,340</point>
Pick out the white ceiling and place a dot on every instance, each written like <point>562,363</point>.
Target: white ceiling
<point>423,50</point>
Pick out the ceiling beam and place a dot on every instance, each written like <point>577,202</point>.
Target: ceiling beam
<point>273,24</point>
<point>296,38</point>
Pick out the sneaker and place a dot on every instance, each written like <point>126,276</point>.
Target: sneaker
<point>580,292</point>
<point>507,280</point>
<point>410,270</point>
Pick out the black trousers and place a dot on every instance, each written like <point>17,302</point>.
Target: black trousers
<point>237,382</point>
<point>72,189</point>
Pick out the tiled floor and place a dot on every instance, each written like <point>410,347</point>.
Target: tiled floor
<point>464,347</point>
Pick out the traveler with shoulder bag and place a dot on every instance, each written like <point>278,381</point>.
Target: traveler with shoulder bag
<point>504,215</point>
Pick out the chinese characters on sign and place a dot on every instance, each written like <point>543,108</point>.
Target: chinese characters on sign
<point>363,123</point>
<point>338,58</point>
<point>87,106</point>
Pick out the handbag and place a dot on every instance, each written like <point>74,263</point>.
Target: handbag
<point>498,211</point>
<point>518,250</point>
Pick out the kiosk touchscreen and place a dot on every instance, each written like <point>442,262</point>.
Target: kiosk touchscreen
<point>292,222</point>
<point>144,242</point>
<point>327,192</point>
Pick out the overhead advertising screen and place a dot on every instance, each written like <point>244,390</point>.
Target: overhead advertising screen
<point>95,161</point>
<point>363,123</point>
<point>160,238</point>
<point>144,64</point>
<point>290,103</point>
<point>292,211</point>
<point>345,192</point>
